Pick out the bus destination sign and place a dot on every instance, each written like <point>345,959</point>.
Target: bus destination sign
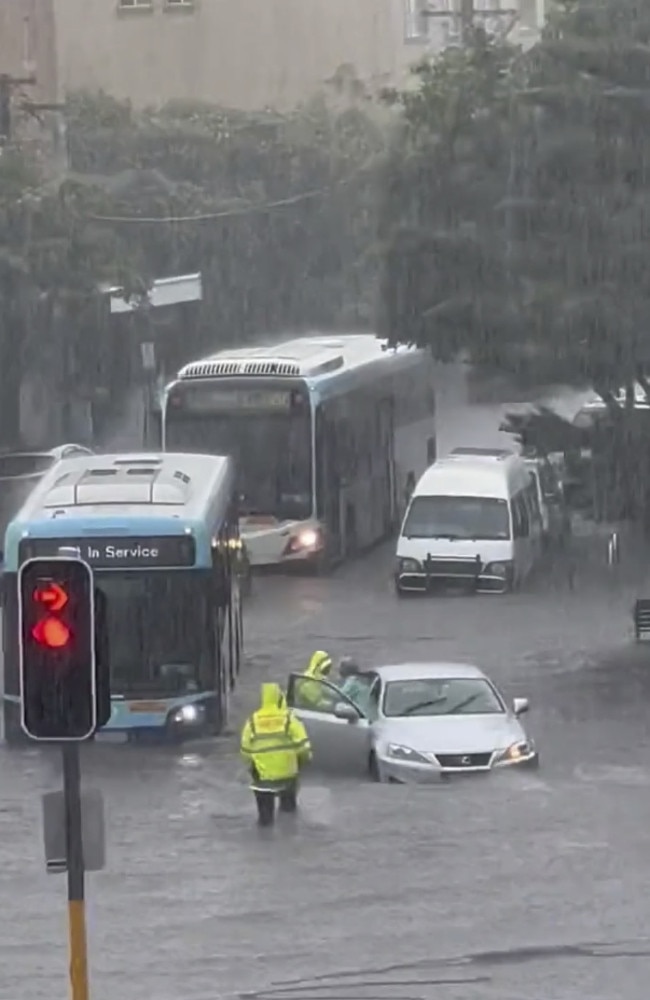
<point>123,552</point>
<point>218,399</point>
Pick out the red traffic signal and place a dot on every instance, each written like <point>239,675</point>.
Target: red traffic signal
<point>51,595</point>
<point>52,633</point>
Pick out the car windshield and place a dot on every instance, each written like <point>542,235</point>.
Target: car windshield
<point>441,696</point>
<point>457,517</point>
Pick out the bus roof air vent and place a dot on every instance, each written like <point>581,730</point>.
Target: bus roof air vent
<point>310,363</point>
<point>281,366</point>
<point>209,369</point>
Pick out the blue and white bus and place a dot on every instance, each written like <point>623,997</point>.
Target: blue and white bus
<point>160,533</point>
<point>328,433</point>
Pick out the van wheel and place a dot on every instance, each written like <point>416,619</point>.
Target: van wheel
<point>373,768</point>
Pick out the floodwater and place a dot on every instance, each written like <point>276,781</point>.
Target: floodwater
<point>518,887</point>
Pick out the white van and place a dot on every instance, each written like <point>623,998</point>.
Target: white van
<point>473,518</point>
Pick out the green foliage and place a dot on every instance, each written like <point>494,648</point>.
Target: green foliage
<point>516,225</point>
<point>276,211</point>
<point>51,262</point>
<point>446,279</point>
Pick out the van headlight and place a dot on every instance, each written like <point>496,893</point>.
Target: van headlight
<point>409,566</point>
<point>498,569</point>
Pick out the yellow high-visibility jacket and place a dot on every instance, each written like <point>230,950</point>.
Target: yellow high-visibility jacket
<point>319,667</point>
<point>273,741</point>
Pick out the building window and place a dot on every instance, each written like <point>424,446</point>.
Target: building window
<point>179,4</point>
<point>135,5</point>
<point>416,22</point>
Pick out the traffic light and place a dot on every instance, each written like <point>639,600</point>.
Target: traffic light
<point>58,683</point>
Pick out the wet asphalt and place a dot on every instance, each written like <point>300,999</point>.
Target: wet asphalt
<point>517,887</point>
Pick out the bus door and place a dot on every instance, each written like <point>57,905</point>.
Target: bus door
<point>328,481</point>
<point>222,617</point>
<point>386,432</point>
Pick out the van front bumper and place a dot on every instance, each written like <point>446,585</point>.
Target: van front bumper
<point>484,578</point>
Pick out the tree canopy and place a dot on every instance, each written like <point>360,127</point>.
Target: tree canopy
<point>276,211</point>
<point>516,224</point>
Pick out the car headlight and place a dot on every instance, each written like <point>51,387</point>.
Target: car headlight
<point>409,566</point>
<point>398,752</point>
<point>518,751</point>
<point>189,714</point>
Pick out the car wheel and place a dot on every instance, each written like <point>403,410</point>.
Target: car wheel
<point>373,768</point>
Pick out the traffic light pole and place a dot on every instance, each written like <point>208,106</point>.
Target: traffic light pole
<point>75,866</point>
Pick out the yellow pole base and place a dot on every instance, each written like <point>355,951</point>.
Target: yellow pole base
<point>78,949</point>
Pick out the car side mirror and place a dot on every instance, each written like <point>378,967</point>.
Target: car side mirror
<point>520,706</point>
<point>344,711</point>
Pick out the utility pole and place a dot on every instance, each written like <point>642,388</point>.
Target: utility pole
<point>8,84</point>
<point>464,16</point>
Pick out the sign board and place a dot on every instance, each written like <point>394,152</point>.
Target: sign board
<point>222,399</point>
<point>121,552</point>
<point>93,831</point>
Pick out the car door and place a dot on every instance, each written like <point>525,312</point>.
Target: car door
<point>338,745</point>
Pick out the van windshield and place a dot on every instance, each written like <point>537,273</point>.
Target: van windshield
<point>457,517</point>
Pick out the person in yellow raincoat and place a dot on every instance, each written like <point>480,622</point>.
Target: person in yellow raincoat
<point>275,745</point>
<point>312,695</point>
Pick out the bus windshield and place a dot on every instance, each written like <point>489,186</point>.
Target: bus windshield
<point>457,517</point>
<point>272,453</point>
<point>158,628</point>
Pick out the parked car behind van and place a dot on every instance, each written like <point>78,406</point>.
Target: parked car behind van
<point>550,499</point>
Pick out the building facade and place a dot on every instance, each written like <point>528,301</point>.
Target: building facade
<point>238,53</point>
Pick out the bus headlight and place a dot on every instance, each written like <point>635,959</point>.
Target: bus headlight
<point>189,714</point>
<point>307,540</point>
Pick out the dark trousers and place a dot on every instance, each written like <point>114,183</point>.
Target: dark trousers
<point>265,801</point>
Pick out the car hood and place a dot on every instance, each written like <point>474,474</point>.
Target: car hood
<point>452,734</point>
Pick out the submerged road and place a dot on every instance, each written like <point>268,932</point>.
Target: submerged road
<point>519,887</point>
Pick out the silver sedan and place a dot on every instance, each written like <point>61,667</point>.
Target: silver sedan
<point>412,722</point>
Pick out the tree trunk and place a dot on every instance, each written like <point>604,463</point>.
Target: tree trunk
<point>11,372</point>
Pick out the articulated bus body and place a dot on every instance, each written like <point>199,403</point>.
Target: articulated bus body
<point>328,434</point>
<point>158,532</point>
